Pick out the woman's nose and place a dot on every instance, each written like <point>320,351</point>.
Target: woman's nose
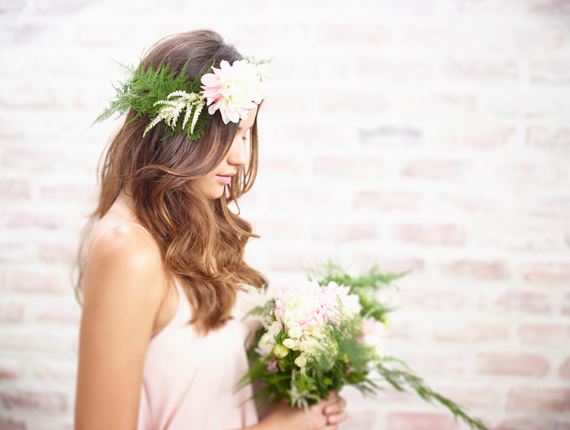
<point>239,152</point>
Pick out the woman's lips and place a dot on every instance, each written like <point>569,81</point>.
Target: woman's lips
<point>226,178</point>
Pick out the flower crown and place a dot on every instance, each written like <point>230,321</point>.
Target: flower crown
<point>231,89</point>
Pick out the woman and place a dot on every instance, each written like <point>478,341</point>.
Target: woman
<point>161,344</point>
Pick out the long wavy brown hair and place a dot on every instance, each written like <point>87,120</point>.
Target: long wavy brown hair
<point>201,241</point>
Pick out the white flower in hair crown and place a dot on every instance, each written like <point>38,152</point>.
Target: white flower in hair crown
<point>232,89</point>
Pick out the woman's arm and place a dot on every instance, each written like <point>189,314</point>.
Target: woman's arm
<point>123,287</point>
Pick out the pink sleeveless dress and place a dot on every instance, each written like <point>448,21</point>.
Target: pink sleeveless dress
<point>189,380</point>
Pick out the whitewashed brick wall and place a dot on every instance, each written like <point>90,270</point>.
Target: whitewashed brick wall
<point>424,134</point>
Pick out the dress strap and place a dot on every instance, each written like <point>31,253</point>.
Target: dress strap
<point>141,227</point>
<point>117,225</point>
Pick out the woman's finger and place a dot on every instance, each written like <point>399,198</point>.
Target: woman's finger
<point>335,407</point>
<point>335,419</point>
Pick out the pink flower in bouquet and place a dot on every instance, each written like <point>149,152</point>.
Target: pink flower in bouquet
<point>233,89</point>
<point>306,307</point>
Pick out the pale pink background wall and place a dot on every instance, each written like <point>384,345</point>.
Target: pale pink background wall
<point>430,134</point>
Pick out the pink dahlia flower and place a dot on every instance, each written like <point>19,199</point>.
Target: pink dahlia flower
<point>233,89</point>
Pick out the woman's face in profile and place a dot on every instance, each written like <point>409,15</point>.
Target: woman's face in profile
<point>212,184</point>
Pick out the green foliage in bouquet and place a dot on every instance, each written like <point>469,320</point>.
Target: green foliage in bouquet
<point>305,365</point>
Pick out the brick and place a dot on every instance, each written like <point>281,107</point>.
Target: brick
<point>14,189</point>
<point>304,133</point>
<point>546,272</point>
<point>15,251</point>
<point>353,167</point>
<point>344,233</point>
<point>414,7</point>
<point>538,399</point>
<point>27,339</point>
<point>427,298</point>
<point>512,364</point>
<point>57,252</point>
<point>67,192</point>
<point>545,334</point>
<point>480,137</point>
<point>68,312</point>
<point>11,368</point>
<point>305,200</point>
<point>280,101</point>
<point>36,281</point>
<point>30,95</point>
<point>525,424</point>
<point>10,129</point>
<point>456,331</point>
<point>11,6</point>
<point>30,33</point>
<point>528,173</point>
<point>552,71</point>
<point>37,219</point>
<point>30,159</point>
<point>550,7</point>
<point>391,136</point>
<point>8,423</point>
<point>419,421</point>
<point>452,103</point>
<point>524,106</point>
<point>280,165</point>
<point>467,202</point>
<point>470,397</point>
<point>269,34</point>
<point>62,6</point>
<point>292,262</point>
<point>437,169</point>
<point>432,362</point>
<point>49,403</point>
<point>366,419</point>
<point>523,301</point>
<point>481,71</point>
<point>403,329</point>
<point>491,270</point>
<point>400,265</point>
<point>407,70</point>
<point>534,37</point>
<point>548,138</point>
<point>11,311</point>
<point>51,370</point>
<point>385,201</point>
<point>565,310</point>
<point>336,34</point>
<point>548,206</point>
<point>276,228</point>
<point>564,369</point>
<point>364,102</point>
<point>444,234</point>
<point>437,38</point>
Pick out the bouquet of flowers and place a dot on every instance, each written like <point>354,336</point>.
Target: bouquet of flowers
<point>319,335</point>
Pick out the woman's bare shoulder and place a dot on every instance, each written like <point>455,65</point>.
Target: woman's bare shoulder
<point>123,259</point>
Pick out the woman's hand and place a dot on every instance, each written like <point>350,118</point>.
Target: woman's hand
<point>334,411</point>
<point>325,415</point>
